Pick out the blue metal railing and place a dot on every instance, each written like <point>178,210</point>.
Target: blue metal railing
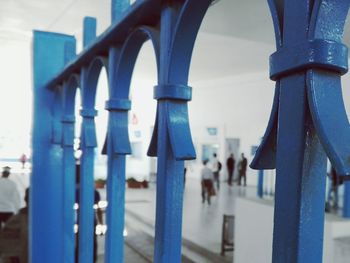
<point>306,67</point>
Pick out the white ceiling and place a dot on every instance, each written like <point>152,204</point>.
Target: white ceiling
<point>236,38</point>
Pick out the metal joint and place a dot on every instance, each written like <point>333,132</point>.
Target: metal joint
<point>88,113</point>
<point>317,53</point>
<point>172,92</point>
<point>68,119</point>
<point>118,105</point>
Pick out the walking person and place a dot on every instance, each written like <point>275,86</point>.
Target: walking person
<point>206,182</point>
<point>216,167</point>
<point>242,169</point>
<point>9,197</point>
<point>230,164</point>
<point>333,195</point>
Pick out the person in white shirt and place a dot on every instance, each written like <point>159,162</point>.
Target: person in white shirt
<point>9,197</point>
<point>206,181</point>
<point>216,167</point>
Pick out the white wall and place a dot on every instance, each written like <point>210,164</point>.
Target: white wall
<point>238,106</point>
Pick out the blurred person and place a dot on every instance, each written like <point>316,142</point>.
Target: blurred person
<point>242,170</point>
<point>230,164</point>
<point>333,195</point>
<point>14,236</point>
<point>206,182</point>
<point>216,167</point>
<point>23,160</point>
<point>9,196</point>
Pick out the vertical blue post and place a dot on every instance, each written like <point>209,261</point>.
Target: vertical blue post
<point>300,180</point>
<point>300,162</point>
<point>260,190</point>
<point>346,203</point>
<point>68,121</point>
<point>169,198</point>
<point>114,250</point>
<point>172,136</point>
<point>86,211</point>
<point>88,144</point>
<point>114,247</point>
<point>68,188</point>
<point>46,207</point>
<point>89,28</point>
<point>118,8</point>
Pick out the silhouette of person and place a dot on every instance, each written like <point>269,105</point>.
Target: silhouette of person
<point>216,167</point>
<point>230,164</point>
<point>206,182</point>
<point>9,196</point>
<point>14,236</point>
<point>242,169</point>
<point>336,180</point>
<point>23,160</point>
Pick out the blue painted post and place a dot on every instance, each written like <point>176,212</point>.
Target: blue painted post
<point>346,203</point>
<point>88,144</point>
<point>89,28</point>
<point>169,198</point>
<point>87,187</point>
<point>46,207</point>
<point>118,121</point>
<point>118,9</point>
<point>68,121</point>
<point>68,188</point>
<point>307,68</point>
<point>260,189</point>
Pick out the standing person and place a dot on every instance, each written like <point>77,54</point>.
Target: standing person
<point>216,167</point>
<point>23,160</point>
<point>333,190</point>
<point>230,164</point>
<point>242,169</point>
<point>206,181</point>
<point>9,196</point>
<point>14,236</point>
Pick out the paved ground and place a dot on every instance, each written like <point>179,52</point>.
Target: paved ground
<point>202,223</point>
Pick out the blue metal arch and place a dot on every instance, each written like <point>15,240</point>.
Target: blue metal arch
<point>185,33</point>
<point>128,55</point>
<point>69,94</point>
<point>90,80</point>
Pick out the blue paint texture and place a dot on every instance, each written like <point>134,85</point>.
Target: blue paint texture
<point>46,210</point>
<point>308,118</point>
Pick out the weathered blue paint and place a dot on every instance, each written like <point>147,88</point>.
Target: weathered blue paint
<point>118,9</point>
<point>46,210</point>
<point>86,198</point>
<point>171,140</point>
<point>89,27</point>
<point>68,123</point>
<point>307,67</point>
<point>260,188</point>
<point>118,120</point>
